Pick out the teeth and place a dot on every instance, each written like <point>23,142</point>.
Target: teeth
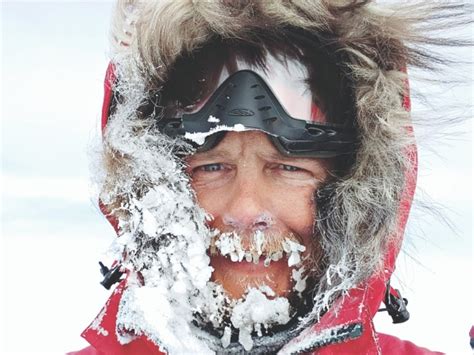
<point>234,257</point>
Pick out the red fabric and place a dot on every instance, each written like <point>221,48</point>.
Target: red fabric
<point>392,345</point>
<point>108,85</point>
<point>112,220</point>
<point>359,306</point>
<point>86,351</point>
<point>102,336</point>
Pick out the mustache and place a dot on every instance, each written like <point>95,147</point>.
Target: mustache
<point>271,246</point>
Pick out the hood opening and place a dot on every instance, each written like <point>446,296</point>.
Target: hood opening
<point>362,209</point>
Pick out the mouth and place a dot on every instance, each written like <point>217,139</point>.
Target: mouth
<point>249,271</point>
<point>241,263</point>
<point>260,250</point>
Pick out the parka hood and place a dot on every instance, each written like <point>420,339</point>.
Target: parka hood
<point>361,214</point>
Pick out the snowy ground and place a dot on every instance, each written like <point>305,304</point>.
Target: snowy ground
<point>53,59</point>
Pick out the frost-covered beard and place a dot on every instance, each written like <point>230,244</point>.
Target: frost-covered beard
<point>254,303</point>
<point>160,300</point>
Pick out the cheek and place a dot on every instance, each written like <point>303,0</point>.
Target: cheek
<point>296,209</point>
<point>208,199</point>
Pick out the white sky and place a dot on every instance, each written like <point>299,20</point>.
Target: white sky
<point>53,58</point>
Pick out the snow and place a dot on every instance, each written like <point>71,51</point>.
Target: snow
<point>148,310</point>
<point>226,337</point>
<point>166,239</point>
<point>231,244</point>
<point>200,137</point>
<point>257,310</point>
<point>294,249</point>
<point>258,239</point>
<point>213,119</point>
<point>300,281</point>
<point>150,225</point>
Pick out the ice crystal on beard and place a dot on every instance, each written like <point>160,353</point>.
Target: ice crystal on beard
<point>338,280</point>
<point>226,337</point>
<point>258,310</point>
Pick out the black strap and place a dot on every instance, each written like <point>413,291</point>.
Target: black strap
<point>395,305</point>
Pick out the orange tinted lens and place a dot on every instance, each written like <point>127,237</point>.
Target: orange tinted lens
<point>287,79</point>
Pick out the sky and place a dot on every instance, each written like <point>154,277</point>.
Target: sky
<point>53,59</point>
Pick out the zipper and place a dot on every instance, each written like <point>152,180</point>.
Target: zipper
<point>336,335</point>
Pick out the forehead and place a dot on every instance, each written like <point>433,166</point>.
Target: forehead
<point>245,144</point>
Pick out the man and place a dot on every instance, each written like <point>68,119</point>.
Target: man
<point>259,167</point>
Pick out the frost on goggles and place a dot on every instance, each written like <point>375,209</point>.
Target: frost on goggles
<point>276,101</point>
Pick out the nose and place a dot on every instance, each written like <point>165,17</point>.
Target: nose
<point>248,205</point>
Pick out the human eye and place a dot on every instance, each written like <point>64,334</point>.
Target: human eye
<point>290,168</point>
<point>209,168</point>
<point>210,174</point>
<point>284,172</point>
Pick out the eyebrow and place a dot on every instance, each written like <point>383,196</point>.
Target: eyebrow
<point>221,154</point>
<point>285,158</point>
<point>211,154</point>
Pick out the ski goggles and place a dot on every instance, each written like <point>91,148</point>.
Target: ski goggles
<point>244,101</point>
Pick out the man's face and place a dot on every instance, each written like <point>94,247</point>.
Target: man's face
<point>248,187</point>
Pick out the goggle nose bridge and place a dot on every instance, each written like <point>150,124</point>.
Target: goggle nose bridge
<point>253,96</point>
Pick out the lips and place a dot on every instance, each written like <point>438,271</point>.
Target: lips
<point>262,267</point>
<point>239,277</point>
